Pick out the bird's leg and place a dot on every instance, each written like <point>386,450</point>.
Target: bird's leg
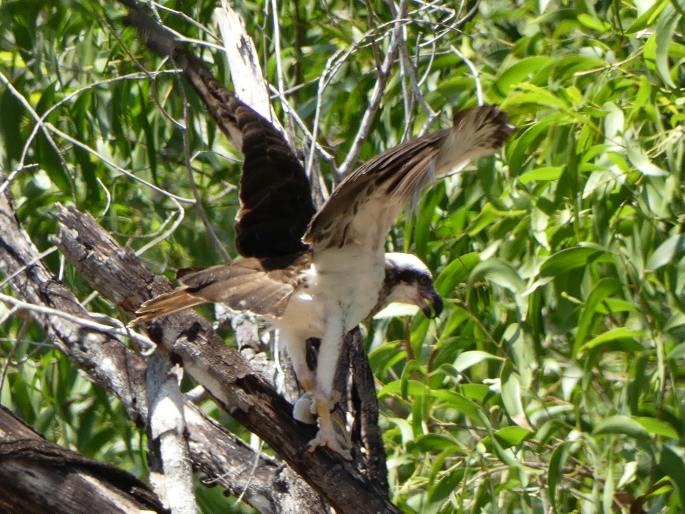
<point>297,350</point>
<point>331,345</point>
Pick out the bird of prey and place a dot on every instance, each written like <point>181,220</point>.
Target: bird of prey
<point>318,274</point>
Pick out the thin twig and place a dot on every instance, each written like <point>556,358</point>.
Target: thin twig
<point>13,349</point>
<point>376,95</point>
<point>38,258</point>
<point>43,126</point>
<point>121,330</point>
<point>198,202</point>
<point>104,159</point>
<point>187,19</point>
<point>151,244</point>
<point>474,74</point>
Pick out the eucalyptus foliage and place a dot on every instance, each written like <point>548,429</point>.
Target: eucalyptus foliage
<point>554,381</point>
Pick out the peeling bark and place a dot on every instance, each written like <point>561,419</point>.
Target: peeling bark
<point>38,476</point>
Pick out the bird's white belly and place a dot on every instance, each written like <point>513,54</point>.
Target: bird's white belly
<point>303,316</point>
<point>348,280</point>
<point>341,283</point>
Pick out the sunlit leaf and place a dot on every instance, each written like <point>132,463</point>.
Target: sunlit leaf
<point>657,427</point>
<point>665,27</point>
<point>641,161</point>
<point>674,466</point>
<point>603,288</point>
<point>517,72</point>
<point>471,358</point>
<point>542,174</point>
<point>615,334</point>
<point>568,259</point>
<point>667,252</point>
<point>512,436</point>
<point>623,425</point>
<point>555,472</point>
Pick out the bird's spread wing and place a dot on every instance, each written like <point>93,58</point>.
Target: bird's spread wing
<point>275,197</point>
<point>260,286</point>
<point>363,207</point>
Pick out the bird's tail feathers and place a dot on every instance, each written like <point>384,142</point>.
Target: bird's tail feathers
<point>476,132</point>
<point>166,304</point>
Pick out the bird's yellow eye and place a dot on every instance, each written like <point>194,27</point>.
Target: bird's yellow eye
<point>424,280</point>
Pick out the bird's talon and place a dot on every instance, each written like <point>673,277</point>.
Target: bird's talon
<point>331,441</point>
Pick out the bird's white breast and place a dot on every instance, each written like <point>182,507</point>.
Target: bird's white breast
<point>349,279</point>
<point>341,281</point>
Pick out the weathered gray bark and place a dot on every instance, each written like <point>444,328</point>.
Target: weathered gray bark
<point>171,469</point>
<point>223,459</point>
<point>38,476</point>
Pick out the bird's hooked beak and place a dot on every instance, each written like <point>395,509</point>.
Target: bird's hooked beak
<point>431,303</point>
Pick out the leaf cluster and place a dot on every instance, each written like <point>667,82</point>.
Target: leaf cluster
<point>554,381</point>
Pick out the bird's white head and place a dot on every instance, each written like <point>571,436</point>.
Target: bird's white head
<point>408,280</point>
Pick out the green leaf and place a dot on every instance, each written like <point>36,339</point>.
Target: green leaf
<point>593,23</point>
<point>542,174</point>
<point>446,485</point>
<point>648,17</point>
<point>605,287</point>
<point>471,358</point>
<point>405,380</point>
<point>404,388</point>
<point>567,260</point>
<point>462,404</point>
<point>525,68</point>
<point>456,272</point>
<point>405,429</point>
<point>674,466</point>
<point>664,33</point>
<point>622,425</point>
<point>512,435</point>
<point>534,95</point>
<point>498,272</point>
<point>641,161</point>
<point>613,335</point>
<point>678,352</point>
<point>436,443</point>
<point>667,252</point>
<point>657,426</point>
<point>555,471</point>
<point>511,395</point>
<point>475,392</point>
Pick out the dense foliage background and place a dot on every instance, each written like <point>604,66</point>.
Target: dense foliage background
<point>555,379</point>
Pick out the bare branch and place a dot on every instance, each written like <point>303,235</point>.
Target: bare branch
<point>171,470</point>
<point>246,75</point>
<point>38,476</point>
<point>222,457</point>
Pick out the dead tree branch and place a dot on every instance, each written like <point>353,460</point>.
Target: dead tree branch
<point>205,367</point>
<point>220,456</point>
<point>171,470</point>
<point>38,476</point>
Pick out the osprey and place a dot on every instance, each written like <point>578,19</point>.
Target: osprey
<point>318,274</point>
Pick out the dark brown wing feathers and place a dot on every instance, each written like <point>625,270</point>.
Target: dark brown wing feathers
<point>258,286</point>
<point>276,209</point>
<point>275,197</point>
<point>382,186</point>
